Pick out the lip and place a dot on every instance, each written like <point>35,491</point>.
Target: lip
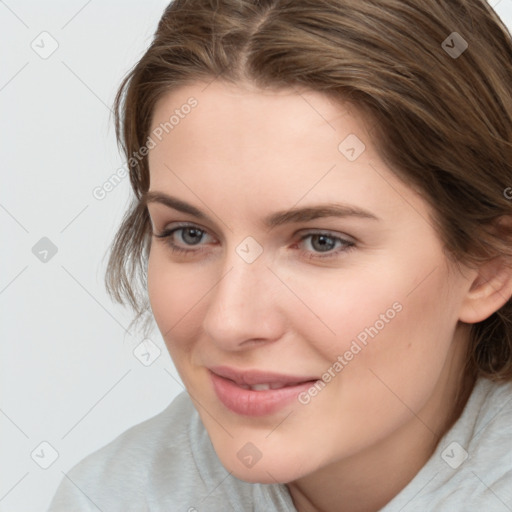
<point>227,384</point>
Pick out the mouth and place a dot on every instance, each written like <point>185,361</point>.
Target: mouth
<point>255,392</point>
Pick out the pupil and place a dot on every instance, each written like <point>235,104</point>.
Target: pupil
<point>195,236</point>
<point>325,243</point>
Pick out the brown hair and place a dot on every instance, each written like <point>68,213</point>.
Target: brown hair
<point>441,121</point>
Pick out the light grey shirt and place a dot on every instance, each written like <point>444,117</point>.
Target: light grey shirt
<point>167,463</point>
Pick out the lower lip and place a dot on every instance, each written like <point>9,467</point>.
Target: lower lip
<point>255,403</point>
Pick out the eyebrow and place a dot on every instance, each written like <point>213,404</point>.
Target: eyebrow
<point>275,219</point>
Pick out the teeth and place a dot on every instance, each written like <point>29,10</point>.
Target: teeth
<point>265,387</point>
<point>260,387</point>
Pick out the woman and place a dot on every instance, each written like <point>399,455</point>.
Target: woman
<point>322,223</point>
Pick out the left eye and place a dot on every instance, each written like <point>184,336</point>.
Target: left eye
<point>191,235</point>
<point>321,242</point>
<point>326,245</point>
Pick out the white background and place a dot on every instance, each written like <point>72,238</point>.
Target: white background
<point>68,375</point>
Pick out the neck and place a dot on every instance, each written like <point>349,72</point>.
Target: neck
<point>368,480</point>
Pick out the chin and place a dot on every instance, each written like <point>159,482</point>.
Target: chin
<point>275,469</point>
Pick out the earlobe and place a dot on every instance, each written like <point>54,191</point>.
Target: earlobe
<point>489,291</point>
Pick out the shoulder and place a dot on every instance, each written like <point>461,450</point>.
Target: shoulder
<point>472,462</point>
<point>489,447</point>
<point>125,470</point>
<point>476,453</point>
<point>164,463</point>
<point>141,443</point>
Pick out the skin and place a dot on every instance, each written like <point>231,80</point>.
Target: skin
<point>239,156</point>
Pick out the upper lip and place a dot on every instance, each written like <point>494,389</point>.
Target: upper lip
<point>253,377</point>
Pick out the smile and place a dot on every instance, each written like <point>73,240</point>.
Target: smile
<point>256,393</point>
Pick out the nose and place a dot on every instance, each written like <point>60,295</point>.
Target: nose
<point>246,306</point>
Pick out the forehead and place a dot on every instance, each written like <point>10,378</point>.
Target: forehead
<point>231,126</point>
<point>285,146</point>
<point>282,111</point>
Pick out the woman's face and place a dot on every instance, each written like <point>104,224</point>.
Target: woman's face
<point>308,265</point>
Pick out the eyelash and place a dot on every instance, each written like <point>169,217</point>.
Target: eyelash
<point>167,234</point>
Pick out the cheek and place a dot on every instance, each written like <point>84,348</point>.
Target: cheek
<point>389,350</point>
<point>381,331</point>
<point>401,361</point>
<point>174,291</point>
<point>337,308</point>
<point>397,304</point>
<point>415,345</point>
<point>160,290</point>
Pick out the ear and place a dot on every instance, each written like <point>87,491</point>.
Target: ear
<point>489,290</point>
